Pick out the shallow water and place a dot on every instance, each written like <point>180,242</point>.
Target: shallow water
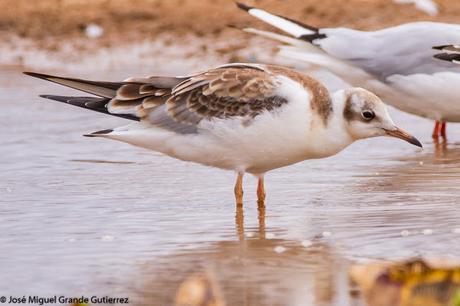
<point>83,216</point>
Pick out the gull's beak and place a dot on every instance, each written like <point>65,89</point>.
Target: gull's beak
<point>398,133</point>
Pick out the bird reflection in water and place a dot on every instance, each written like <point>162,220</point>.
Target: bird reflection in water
<point>259,267</point>
<point>239,221</point>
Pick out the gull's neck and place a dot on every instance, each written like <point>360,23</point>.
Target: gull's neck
<point>334,136</point>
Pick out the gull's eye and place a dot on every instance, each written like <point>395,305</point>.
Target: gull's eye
<point>368,115</point>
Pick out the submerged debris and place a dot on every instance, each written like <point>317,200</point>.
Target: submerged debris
<point>279,249</point>
<point>199,290</point>
<point>415,282</point>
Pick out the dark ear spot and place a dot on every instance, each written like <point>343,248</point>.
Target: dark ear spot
<point>364,112</point>
<point>348,113</point>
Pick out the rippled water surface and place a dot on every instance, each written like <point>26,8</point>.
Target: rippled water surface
<point>83,216</point>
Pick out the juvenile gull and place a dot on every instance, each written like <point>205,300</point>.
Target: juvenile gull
<point>395,63</point>
<point>241,117</point>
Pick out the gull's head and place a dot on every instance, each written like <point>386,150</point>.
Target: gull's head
<point>367,116</point>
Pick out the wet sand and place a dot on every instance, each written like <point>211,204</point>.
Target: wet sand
<point>89,216</point>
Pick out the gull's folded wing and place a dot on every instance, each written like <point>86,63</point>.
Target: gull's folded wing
<point>179,104</point>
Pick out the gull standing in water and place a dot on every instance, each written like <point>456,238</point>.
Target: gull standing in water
<point>240,117</point>
<point>395,63</point>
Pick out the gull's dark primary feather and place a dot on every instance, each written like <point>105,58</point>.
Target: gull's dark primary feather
<point>452,53</point>
<point>450,57</point>
<point>243,6</point>
<point>448,48</point>
<point>98,133</point>
<point>101,89</point>
<point>92,103</point>
<point>440,47</point>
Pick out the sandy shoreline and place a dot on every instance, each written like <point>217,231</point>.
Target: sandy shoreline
<point>132,20</point>
<point>54,31</point>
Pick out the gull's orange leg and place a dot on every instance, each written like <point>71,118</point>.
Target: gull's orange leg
<point>239,222</point>
<point>443,131</point>
<point>261,211</point>
<point>261,191</point>
<point>239,189</point>
<point>436,130</point>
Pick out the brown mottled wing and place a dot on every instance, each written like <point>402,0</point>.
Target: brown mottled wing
<point>232,91</point>
<point>224,92</point>
<point>137,99</point>
<point>179,103</point>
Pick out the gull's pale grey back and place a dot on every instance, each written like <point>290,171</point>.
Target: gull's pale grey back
<point>405,49</point>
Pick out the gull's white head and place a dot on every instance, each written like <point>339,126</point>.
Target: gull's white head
<point>366,116</point>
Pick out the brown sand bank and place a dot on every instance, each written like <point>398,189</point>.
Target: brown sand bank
<point>49,22</point>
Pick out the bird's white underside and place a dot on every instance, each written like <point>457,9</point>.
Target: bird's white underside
<point>272,140</point>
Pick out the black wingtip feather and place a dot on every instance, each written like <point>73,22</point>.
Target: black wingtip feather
<point>447,57</point>
<point>98,133</point>
<point>243,6</point>
<point>37,75</point>
<point>440,47</point>
<point>97,88</point>
<point>303,25</point>
<point>312,37</point>
<point>55,98</point>
<point>91,103</point>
